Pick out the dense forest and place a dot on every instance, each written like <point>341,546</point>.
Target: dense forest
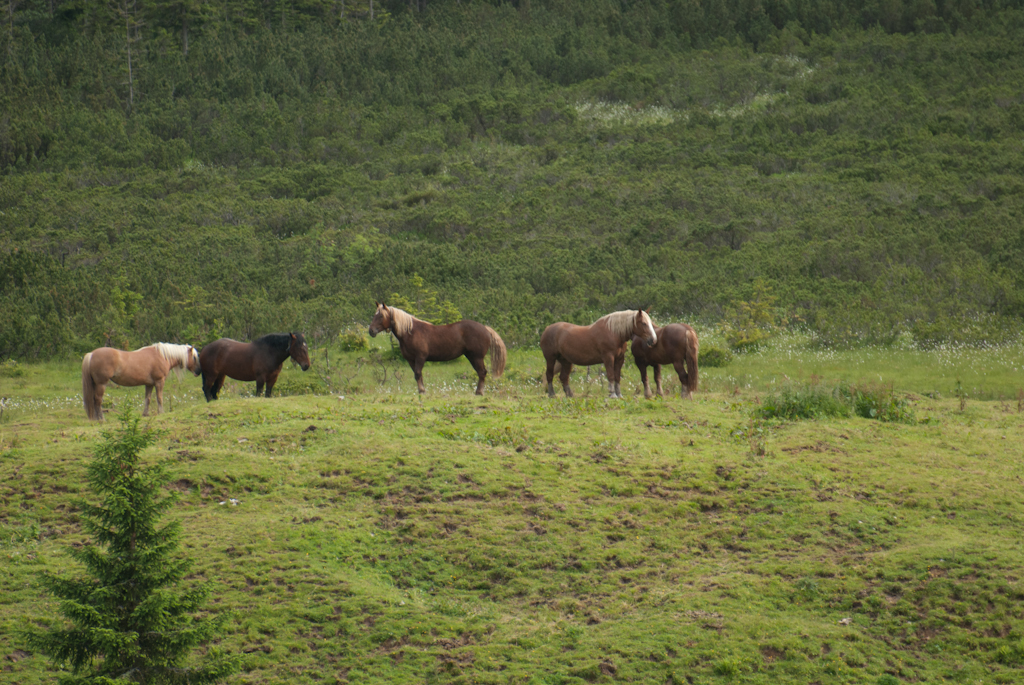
<point>181,170</point>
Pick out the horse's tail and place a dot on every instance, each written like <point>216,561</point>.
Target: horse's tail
<point>692,347</point>
<point>88,387</point>
<point>499,355</point>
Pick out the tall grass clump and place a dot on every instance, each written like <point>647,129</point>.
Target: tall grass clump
<point>880,402</point>
<point>815,401</point>
<point>807,402</point>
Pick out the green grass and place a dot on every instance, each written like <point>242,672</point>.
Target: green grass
<point>513,539</point>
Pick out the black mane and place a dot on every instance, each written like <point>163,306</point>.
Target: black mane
<point>277,342</point>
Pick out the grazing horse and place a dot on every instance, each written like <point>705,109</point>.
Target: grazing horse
<point>258,361</point>
<point>146,366</point>
<point>677,345</point>
<point>422,342</point>
<point>602,342</point>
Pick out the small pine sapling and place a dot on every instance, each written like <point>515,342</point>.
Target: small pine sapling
<point>130,620</point>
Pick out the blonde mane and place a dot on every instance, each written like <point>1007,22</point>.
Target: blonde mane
<point>621,323</point>
<point>173,353</point>
<point>401,321</point>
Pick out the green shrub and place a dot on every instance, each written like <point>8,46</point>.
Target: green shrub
<point>880,402</point>
<point>353,340</point>
<point>11,369</point>
<point>714,357</point>
<point>810,402</point>
<point>819,401</point>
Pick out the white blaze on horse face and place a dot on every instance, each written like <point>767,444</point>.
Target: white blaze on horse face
<point>650,329</point>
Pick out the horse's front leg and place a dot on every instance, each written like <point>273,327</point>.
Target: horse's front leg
<point>643,377</point>
<point>259,387</point>
<point>145,406</point>
<point>271,380</point>
<point>160,396</point>
<point>417,371</point>
<point>218,384</point>
<point>657,378</point>
<point>619,361</point>
<point>609,372</point>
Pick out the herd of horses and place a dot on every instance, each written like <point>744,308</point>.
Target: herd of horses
<point>564,345</point>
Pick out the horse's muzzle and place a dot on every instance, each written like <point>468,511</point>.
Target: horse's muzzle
<point>305,367</point>
<point>373,333</point>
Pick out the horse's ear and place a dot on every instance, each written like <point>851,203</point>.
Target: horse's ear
<point>293,335</point>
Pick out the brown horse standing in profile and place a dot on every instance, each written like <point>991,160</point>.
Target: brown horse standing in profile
<point>258,361</point>
<point>677,345</point>
<point>421,342</point>
<point>146,366</point>
<point>602,342</point>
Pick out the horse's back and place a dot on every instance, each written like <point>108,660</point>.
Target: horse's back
<point>102,363</point>
<point>229,357</point>
<point>441,343</point>
<point>585,345</point>
<point>678,335</point>
<point>673,342</point>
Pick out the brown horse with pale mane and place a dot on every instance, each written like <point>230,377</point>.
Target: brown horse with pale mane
<point>602,342</point>
<point>147,366</point>
<point>677,345</point>
<point>421,342</point>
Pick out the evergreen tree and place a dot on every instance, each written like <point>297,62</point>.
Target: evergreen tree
<point>130,622</point>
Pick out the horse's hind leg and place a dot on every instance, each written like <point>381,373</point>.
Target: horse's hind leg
<point>481,372</point>
<point>684,379</point>
<point>97,399</point>
<point>549,375</point>
<point>564,377</point>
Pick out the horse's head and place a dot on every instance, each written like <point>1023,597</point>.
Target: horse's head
<point>381,320</point>
<point>643,327</point>
<point>192,362</point>
<point>298,350</point>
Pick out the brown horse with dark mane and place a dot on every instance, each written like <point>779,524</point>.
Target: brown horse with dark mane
<point>677,345</point>
<point>258,361</point>
<point>421,342</point>
<point>146,366</point>
<point>602,342</point>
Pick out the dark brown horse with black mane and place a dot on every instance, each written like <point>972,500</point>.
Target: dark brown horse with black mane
<point>602,342</point>
<point>421,342</point>
<point>677,345</point>
<point>258,361</point>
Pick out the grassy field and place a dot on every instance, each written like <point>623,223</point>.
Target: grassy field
<point>364,534</point>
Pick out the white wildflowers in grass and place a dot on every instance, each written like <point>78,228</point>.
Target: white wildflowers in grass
<point>620,113</point>
<point>756,105</point>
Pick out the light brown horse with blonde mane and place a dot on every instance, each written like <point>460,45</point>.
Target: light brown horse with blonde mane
<point>602,342</point>
<point>421,342</point>
<point>146,366</point>
<point>677,345</point>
